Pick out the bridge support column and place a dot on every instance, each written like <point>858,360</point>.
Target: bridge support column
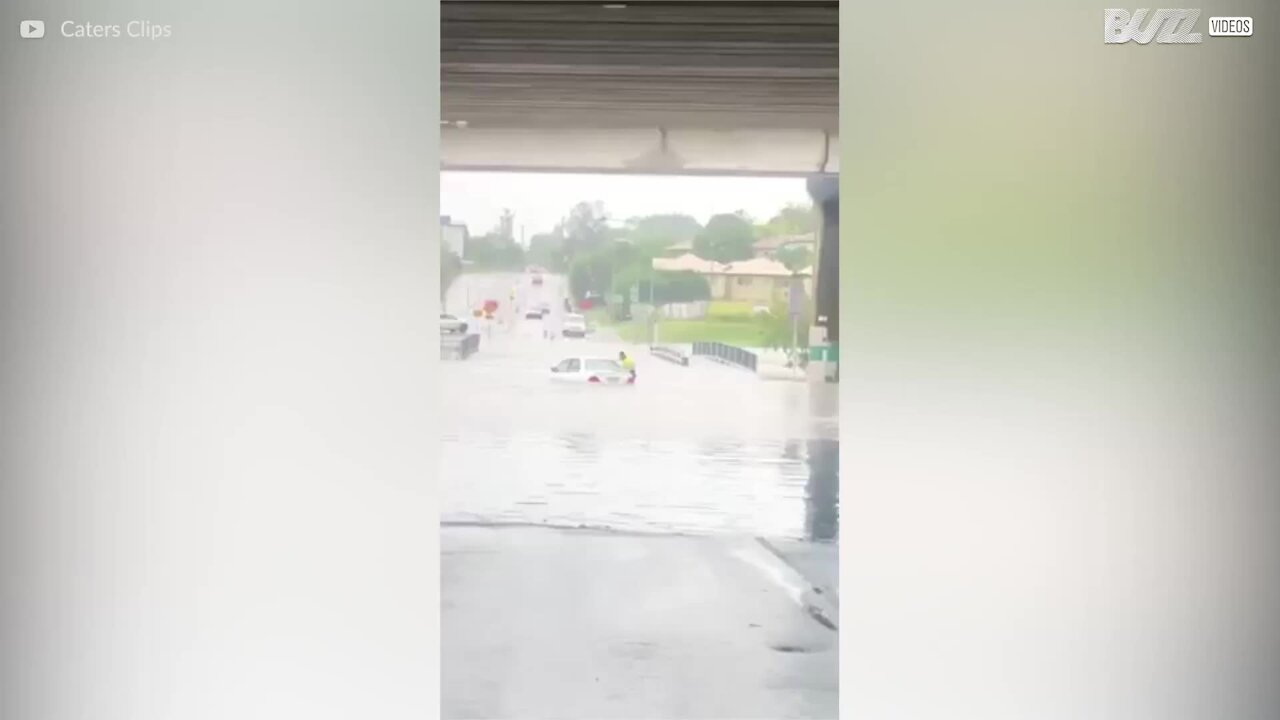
<point>824,335</point>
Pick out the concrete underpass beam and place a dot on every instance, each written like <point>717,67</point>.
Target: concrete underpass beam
<point>824,336</point>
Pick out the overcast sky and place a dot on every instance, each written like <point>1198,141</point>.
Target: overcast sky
<point>539,201</point>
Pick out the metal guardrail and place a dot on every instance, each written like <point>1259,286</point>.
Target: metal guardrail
<point>727,354</point>
<point>458,347</point>
<point>669,354</point>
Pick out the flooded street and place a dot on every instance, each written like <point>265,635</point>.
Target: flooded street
<point>715,605</point>
<point>699,449</point>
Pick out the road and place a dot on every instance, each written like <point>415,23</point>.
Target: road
<point>552,624</point>
<point>700,449</point>
<point>600,555</point>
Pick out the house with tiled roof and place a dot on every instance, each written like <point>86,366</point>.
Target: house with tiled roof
<point>760,281</point>
<point>769,247</point>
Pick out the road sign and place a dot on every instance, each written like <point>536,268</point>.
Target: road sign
<point>795,299</point>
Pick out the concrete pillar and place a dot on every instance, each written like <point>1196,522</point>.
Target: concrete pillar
<point>822,491</point>
<point>824,335</point>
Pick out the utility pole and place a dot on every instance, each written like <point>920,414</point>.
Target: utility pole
<point>795,335</point>
<point>653,310</point>
<point>793,307</point>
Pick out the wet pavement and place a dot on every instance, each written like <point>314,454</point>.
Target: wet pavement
<point>540,623</point>
<point>698,449</point>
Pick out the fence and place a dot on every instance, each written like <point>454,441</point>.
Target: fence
<point>670,354</point>
<point>685,311</point>
<point>727,354</point>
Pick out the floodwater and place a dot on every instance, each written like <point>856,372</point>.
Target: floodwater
<point>698,449</point>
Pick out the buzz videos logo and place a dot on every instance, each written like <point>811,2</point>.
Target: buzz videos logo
<point>1166,27</point>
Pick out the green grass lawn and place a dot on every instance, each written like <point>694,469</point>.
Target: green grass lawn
<point>597,316</point>
<point>731,323</point>
<point>741,334</point>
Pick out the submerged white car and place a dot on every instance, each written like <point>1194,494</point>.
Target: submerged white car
<point>593,371</point>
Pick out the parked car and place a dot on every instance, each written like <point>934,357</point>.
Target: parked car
<point>591,371</point>
<point>591,300</point>
<point>537,279</point>
<point>574,326</point>
<point>452,324</point>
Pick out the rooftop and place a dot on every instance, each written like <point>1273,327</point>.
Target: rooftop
<point>687,263</point>
<point>773,243</point>
<point>755,267</point>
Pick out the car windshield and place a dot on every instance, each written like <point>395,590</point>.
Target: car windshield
<point>603,366</point>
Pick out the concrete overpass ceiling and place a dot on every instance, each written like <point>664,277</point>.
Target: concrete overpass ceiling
<point>795,153</point>
<point>712,65</point>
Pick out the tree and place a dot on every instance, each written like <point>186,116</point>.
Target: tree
<point>726,238</point>
<point>635,275</point>
<point>596,271</point>
<point>591,273</point>
<point>654,233</point>
<point>795,257</point>
<point>492,252</point>
<point>791,220</point>
<point>450,269</point>
<point>547,250</point>
<point>586,228</point>
<point>674,287</point>
<point>661,287</point>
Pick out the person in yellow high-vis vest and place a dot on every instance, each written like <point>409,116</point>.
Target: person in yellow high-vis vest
<point>627,364</point>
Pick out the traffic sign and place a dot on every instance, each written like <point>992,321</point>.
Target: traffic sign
<point>795,299</point>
